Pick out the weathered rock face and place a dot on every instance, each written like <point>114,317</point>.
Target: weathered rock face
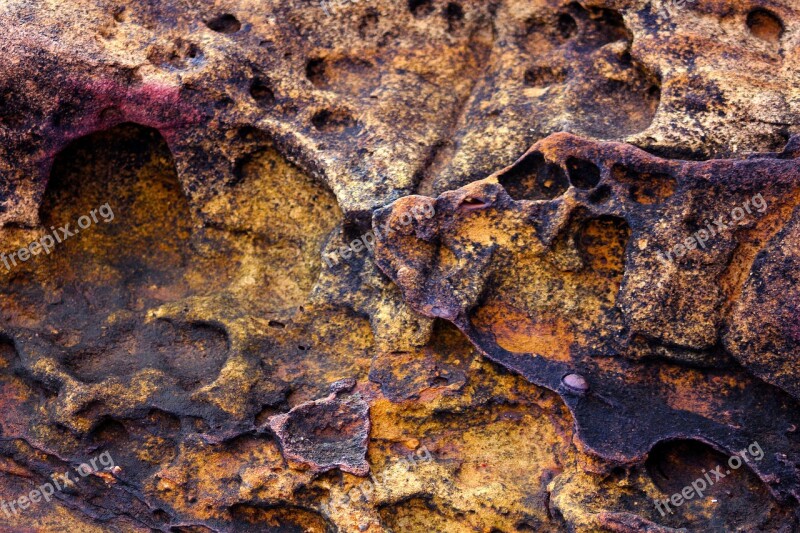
<point>583,268</point>
<point>399,266</point>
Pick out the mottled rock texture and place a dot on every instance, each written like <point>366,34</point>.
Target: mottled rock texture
<point>550,339</point>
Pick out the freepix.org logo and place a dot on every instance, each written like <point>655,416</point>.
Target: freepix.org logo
<point>700,485</point>
<point>57,483</point>
<point>48,241</point>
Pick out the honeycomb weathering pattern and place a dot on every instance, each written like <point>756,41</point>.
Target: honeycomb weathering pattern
<point>561,375</point>
<point>574,286</point>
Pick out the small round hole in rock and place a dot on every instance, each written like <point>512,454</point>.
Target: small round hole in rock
<point>567,27</point>
<point>765,25</point>
<point>420,8</point>
<point>533,178</point>
<point>333,121</point>
<point>119,14</point>
<point>454,14</point>
<point>600,195</point>
<point>261,92</point>
<point>226,23</point>
<point>582,174</point>
<point>316,72</point>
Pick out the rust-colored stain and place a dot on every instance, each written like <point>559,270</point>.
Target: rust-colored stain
<point>516,332</point>
<point>642,372</point>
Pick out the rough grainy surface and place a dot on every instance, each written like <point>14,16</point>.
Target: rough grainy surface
<point>407,266</point>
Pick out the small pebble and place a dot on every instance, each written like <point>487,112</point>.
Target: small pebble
<point>575,382</point>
